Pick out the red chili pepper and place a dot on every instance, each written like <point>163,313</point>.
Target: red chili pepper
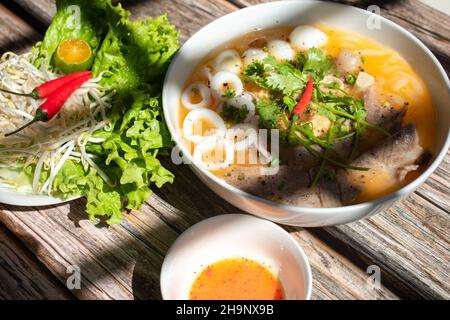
<point>46,89</point>
<point>55,101</point>
<point>305,100</point>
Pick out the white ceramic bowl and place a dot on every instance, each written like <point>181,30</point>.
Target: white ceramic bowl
<point>235,236</point>
<point>293,13</point>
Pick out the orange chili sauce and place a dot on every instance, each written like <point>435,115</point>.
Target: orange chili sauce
<point>236,279</point>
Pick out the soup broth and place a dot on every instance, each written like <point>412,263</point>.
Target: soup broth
<point>339,154</point>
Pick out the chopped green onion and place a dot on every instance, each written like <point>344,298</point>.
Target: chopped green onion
<point>363,122</point>
<point>350,79</point>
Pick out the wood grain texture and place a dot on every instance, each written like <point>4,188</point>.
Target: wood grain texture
<point>15,34</point>
<point>22,276</point>
<point>409,241</point>
<point>188,15</point>
<point>123,262</point>
<point>436,189</point>
<point>61,237</point>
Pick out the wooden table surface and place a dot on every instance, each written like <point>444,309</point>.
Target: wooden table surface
<point>409,242</point>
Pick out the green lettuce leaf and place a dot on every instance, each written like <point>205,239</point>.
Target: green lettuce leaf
<point>136,53</point>
<point>103,200</point>
<point>132,57</point>
<point>80,19</point>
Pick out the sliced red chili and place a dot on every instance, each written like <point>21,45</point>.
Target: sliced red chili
<point>49,87</point>
<point>305,100</point>
<point>55,101</point>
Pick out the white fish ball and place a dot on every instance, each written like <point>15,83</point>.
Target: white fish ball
<point>306,37</point>
<point>252,55</point>
<point>228,60</point>
<point>281,50</point>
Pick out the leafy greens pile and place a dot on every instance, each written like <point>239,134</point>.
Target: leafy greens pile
<point>131,57</point>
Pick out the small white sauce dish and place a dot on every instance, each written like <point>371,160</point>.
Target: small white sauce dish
<point>235,236</point>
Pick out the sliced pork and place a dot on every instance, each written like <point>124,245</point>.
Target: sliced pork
<point>291,185</point>
<point>389,117</point>
<point>398,156</point>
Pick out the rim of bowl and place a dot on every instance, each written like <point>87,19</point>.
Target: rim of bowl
<point>410,187</point>
<point>23,199</point>
<point>306,267</point>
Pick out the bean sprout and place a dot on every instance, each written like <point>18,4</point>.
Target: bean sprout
<point>50,144</point>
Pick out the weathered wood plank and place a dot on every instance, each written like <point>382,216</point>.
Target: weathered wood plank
<point>62,237</point>
<point>436,188</point>
<point>22,276</point>
<point>409,242</point>
<point>123,262</point>
<point>188,15</point>
<point>15,34</point>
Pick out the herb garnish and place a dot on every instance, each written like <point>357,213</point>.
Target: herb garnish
<point>282,78</point>
<point>315,62</point>
<point>285,83</point>
<point>350,79</point>
<point>229,93</point>
<point>233,115</point>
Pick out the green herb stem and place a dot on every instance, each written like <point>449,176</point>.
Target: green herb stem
<point>319,174</point>
<point>325,157</point>
<point>355,143</point>
<point>313,138</point>
<point>347,136</point>
<point>351,117</point>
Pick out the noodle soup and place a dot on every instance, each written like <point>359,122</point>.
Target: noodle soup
<point>309,116</point>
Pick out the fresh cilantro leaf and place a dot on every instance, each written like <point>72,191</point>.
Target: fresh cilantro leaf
<point>229,93</point>
<point>256,73</point>
<point>284,77</point>
<point>269,114</point>
<point>281,78</point>
<point>234,115</point>
<point>315,62</point>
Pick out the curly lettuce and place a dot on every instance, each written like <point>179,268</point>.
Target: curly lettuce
<point>132,57</point>
<point>136,53</point>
